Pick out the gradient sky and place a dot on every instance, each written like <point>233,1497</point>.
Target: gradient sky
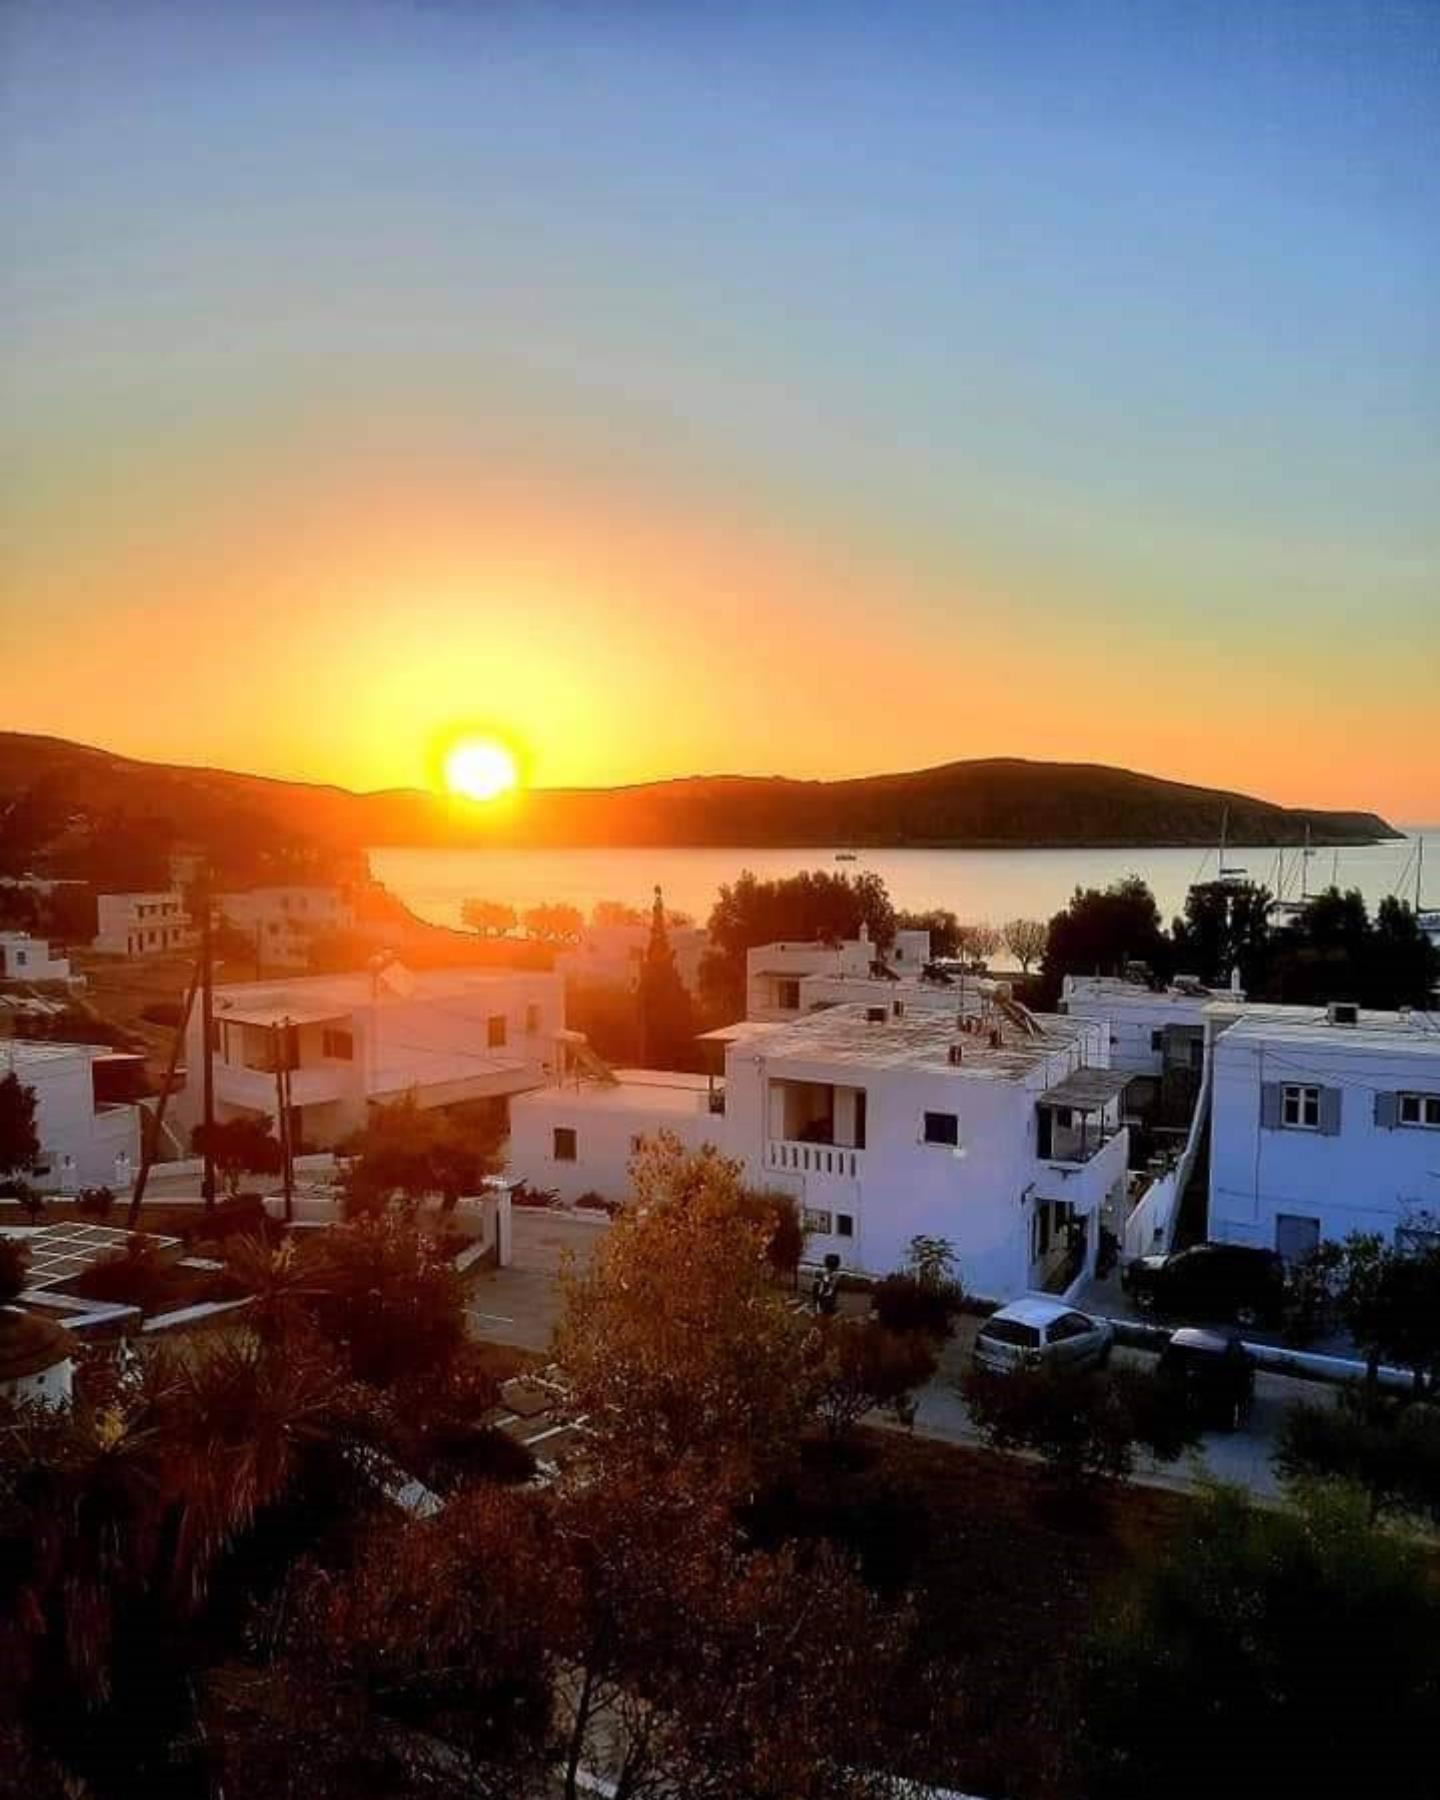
<point>815,388</point>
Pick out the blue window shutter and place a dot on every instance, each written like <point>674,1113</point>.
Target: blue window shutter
<point>1387,1111</point>
<point>1330,1112</point>
<point>1270,1105</point>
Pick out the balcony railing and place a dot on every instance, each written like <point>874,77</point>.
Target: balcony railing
<point>792,1156</point>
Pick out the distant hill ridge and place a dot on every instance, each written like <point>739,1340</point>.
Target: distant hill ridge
<point>993,803</point>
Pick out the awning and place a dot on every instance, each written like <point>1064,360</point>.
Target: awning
<point>1087,1089</point>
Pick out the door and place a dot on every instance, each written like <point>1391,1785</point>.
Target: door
<point>1296,1236</point>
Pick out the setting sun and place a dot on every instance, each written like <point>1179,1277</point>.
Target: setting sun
<point>480,769</point>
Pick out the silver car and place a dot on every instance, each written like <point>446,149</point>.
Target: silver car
<point>1038,1329</point>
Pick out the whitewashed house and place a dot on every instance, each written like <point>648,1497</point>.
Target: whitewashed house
<point>26,958</point>
<point>998,1130</point>
<point>1324,1121</point>
<point>443,1035</point>
<point>142,924</point>
<point>612,954</point>
<point>786,980</point>
<point>86,1139</point>
<point>283,922</point>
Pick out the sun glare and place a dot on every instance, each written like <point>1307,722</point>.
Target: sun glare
<point>480,769</point>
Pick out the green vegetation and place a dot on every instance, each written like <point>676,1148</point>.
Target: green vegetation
<point>815,905</point>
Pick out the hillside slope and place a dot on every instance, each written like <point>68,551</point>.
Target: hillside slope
<point>997,802</point>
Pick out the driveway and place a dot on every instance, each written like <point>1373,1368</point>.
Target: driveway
<point>521,1304</point>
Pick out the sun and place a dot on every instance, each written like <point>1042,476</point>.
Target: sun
<point>480,769</point>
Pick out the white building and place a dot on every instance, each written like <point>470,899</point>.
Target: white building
<point>785,980</point>
<point>142,924</point>
<point>282,922</point>
<point>612,954</point>
<point>999,1131</point>
<point>578,1136</point>
<point>1324,1122</point>
<point>26,958</point>
<point>85,1139</point>
<point>445,1035</point>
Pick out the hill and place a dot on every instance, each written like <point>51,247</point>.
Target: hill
<point>55,794</point>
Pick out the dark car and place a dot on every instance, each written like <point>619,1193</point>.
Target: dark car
<point>1210,1281</point>
<point>1211,1376</point>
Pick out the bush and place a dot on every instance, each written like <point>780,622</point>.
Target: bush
<point>1389,1449</point>
<point>99,1202</point>
<point>1084,1424</point>
<point>462,1452</point>
<point>14,1261</point>
<point>861,1365</point>
<point>593,1202</point>
<point>906,1304</point>
<point>138,1275</point>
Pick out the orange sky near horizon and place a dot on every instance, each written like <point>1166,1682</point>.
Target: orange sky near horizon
<point>335,626</point>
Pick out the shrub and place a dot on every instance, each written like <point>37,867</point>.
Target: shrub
<point>99,1202</point>
<point>861,1366</point>
<point>14,1261</point>
<point>593,1202</point>
<point>904,1303</point>
<point>1084,1424</point>
<point>461,1452</point>
<point>138,1275</point>
<point>1389,1449</point>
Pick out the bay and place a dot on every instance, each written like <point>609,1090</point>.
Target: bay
<point>977,884</point>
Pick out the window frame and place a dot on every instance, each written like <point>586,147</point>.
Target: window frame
<point>927,1117</point>
<point>1423,1104</point>
<point>564,1143</point>
<point>1306,1097</point>
<point>496,1031</point>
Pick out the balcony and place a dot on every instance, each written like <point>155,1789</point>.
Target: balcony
<point>255,1088</point>
<point>794,1156</point>
<point>1084,1182</point>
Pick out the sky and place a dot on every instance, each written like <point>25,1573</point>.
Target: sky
<point>815,389</point>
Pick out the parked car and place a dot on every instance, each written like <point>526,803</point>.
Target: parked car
<point>1036,1330</point>
<point>1210,1281</point>
<point>1211,1375</point>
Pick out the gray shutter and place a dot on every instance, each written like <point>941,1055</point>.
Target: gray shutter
<point>1270,1105</point>
<point>1387,1111</point>
<point>1330,1112</point>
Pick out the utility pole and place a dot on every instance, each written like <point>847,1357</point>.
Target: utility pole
<point>150,1149</point>
<point>207,1035</point>
<point>280,1038</point>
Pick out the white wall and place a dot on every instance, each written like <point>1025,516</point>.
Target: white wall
<point>26,958</point>
<point>606,1123</point>
<point>141,924</point>
<point>1365,1178</point>
<point>287,919</point>
<point>66,1118</point>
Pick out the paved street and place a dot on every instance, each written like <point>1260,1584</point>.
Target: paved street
<point>519,1306</point>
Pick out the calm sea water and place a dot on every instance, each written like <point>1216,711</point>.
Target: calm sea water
<point>976,884</point>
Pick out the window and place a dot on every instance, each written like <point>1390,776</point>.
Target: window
<point>1157,1040</point>
<point>1420,1109</point>
<point>637,1142</point>
<point>844,1225</point>
<point>338,1044</point>
<point>787,996</point>
<point>495,1031</point>
<point>942,1128</point>
<point>532,1018</point>
<point>816,1219</point>
<point>565,1144</point>
<point>1069,1325</point>
<point>20,959</point>
<point>1300,1107</point>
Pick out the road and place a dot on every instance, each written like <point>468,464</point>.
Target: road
<point>520,1305</point>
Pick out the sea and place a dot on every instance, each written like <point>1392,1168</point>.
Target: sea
<point>975,884</point>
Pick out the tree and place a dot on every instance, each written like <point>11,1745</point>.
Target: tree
<point>1387,1298</point>
<point>488,918</point>
<point>778,1215</point>
<point>925,1295</point>
<point>14,1261</point>
<point>813,906</point>
<point>245,1145</point>
<point>606,914</point>
<point>1226,927</point>
<point>412,1151</point>
<point>1025,940</point>
<point>942,925</point>
<point>19,1140</point>
<point>557,923</point>
<point>860,1366</point>
<point>388,1301</point>
<point>675,1340</point>
<point>1234,1626</point>
<point>1101,931</point>
<point>667,1025</point>
<point>1085,1424</point>
<point>978,942</point>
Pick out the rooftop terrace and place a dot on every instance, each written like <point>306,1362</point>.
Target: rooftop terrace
<point>923,1040</point>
